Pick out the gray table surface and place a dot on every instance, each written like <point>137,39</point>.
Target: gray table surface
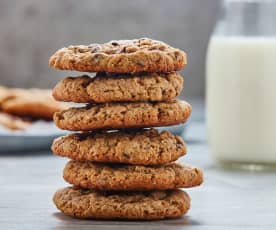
<point>226,200</point>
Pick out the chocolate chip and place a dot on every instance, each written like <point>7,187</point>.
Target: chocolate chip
<point>123,49</point>
<point>162,47</point>
<point>114,43</point>
<point>126,155</point>
<point>176,54</point>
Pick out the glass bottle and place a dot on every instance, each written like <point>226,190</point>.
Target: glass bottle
<point>241,85</point>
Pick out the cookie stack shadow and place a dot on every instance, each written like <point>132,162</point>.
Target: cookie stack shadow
<point>120,166</point>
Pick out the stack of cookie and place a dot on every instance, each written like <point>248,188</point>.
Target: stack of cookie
<point>118,167</point>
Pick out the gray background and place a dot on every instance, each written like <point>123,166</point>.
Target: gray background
<point>31,30</point>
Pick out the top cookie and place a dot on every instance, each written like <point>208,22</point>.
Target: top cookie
<point>122,56</point>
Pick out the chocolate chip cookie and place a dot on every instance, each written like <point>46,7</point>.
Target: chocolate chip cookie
<point>91,204</point>
<point>122,56</point>
<point>12,122</point>
<point>131,177</point>
<point>141,147</point>
<point>35,103</point>
<point>5,93</point>
<point>123,115</point>
<point>119,88</point>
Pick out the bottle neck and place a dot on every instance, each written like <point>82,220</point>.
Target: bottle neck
<point>247,18</point>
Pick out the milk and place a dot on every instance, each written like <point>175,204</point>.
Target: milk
<point>241,99</point>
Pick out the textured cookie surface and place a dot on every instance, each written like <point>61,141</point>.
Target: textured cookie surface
<point>123,115</point>
<point>35,103</point>
<point>121,88</point>
<point>122,56</point>
<point>131,177</point>
<point>143,147</point>
<point>82,203</point>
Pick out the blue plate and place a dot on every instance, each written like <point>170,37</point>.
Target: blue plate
<point>38,137</point>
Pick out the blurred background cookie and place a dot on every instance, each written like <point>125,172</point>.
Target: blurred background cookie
<point>26,119</point>
<point>12,122</point>
<point>33,103</point>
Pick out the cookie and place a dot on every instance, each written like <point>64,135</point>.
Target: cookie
<point>123,115</point>
<point>141,147</point>
<point>122,56</point>
<point>119,88</point>
<point>12,122</point>
<point>5,93</point>
<point>131,177</point>
<point>90,204</point>
<point>35,103</point>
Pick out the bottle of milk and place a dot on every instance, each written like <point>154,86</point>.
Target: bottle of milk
<point>241,85</point>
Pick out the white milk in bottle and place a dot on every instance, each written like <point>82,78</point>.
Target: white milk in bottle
<point>241,90</point>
